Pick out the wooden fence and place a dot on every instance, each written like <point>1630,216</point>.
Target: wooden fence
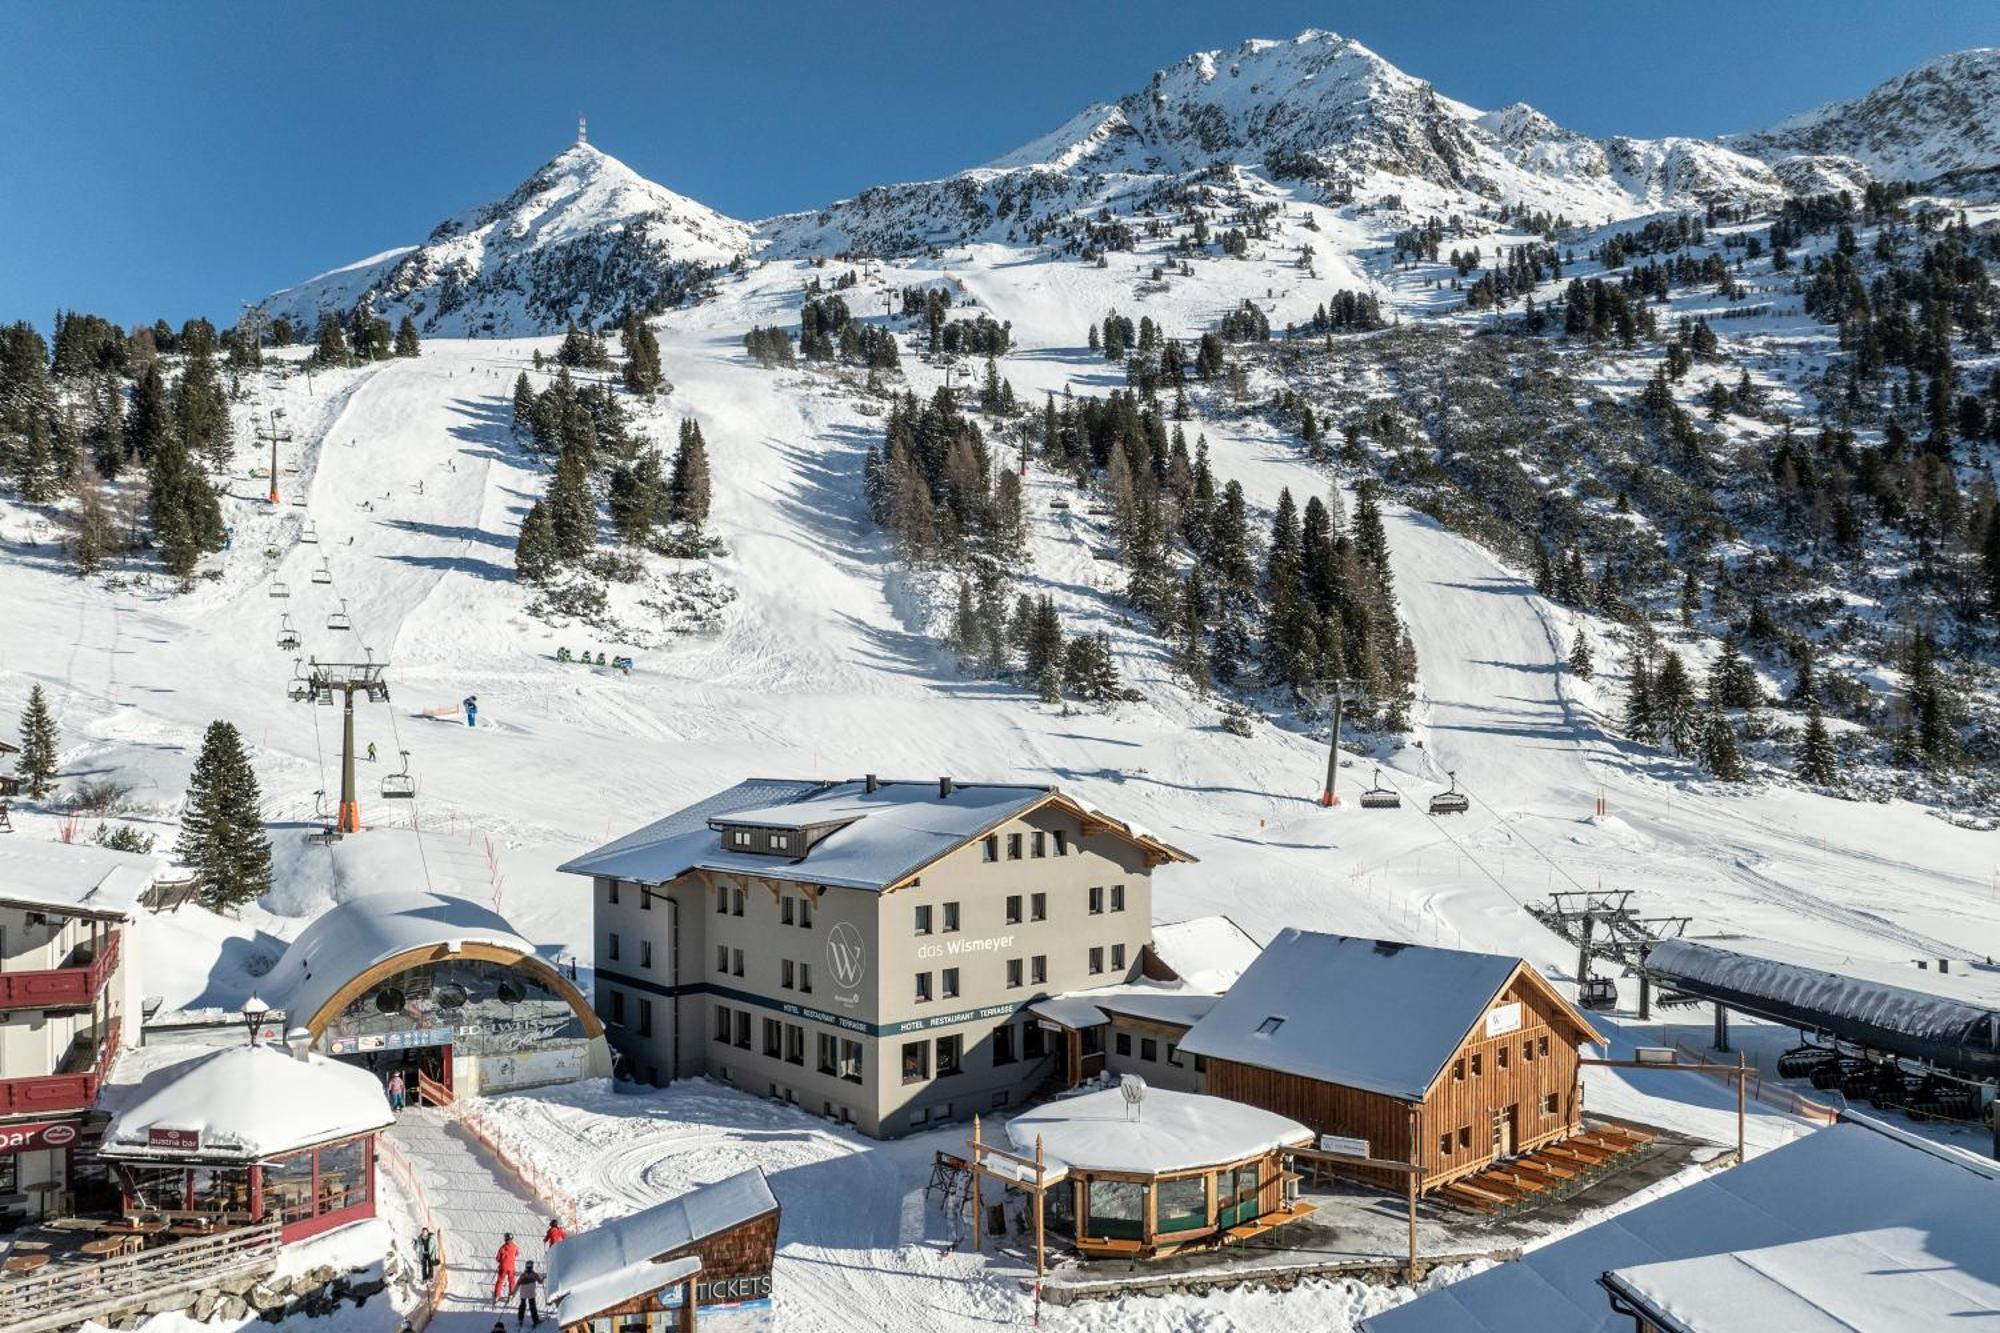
<point>64,1295</point>
<point>554,1196</point>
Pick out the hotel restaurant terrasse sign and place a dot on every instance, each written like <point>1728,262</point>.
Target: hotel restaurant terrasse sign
<point>1503,1018</point>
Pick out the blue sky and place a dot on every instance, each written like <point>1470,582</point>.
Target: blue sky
<point>177,158</point>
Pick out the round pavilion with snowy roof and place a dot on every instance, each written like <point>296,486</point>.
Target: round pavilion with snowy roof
<point>247,1135</point>
<point>440,990</point>
<point>1139,1170</point>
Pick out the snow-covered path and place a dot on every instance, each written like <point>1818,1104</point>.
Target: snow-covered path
<point>476,1203</point>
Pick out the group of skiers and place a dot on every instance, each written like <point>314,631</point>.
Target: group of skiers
<point>525,1287</point>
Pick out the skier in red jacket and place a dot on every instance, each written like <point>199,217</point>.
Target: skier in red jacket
<point>504,1278</point>
<point>555,1235</point>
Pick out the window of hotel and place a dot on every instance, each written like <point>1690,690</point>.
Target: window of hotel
<point>722,958</point>
<point>850,1060</point>
<point>989,848</point>
<point>950,1055</point>
<point>1096,960</point>
<point>1121,1043</point>
<point>1117,958</point>
<point>806,913</point>
<point>736,902</point>
<point>795,1044</point>
<point>780,841</point>
<point>613,944</point>
<point>923,987</point>
<point>613,888</point>
<point>1444,1145</point>
<point>1542,1046</point>
<point>923,915</point>
<point>1034,1041</point>
<point>1013,973</point>
<point>785,911</point>
<point>1117,897</point>
<point>1500,1058</point>
<point>785,973</point>
<point>645,1017</point>
<point>721,901</point>
<point>1149,1050</point>
<point>1096,899</point>
<point>739,837</point>
<point>1062,843</point>
<point>948,983</point>
<point>645,899</point>
<point>645,953</point>
<point>1038,907</point>
<point>1003,1044</point>
<point>1013,846</point>
<point>1013,909</point>
<point>1465,1136</point>
<point>735,962</point>
<point>774,1038</point>
<point>722,1022</point>
<point>1174,1055</point>
<point>1476,1063</point>
<point>618,1007</point>
<point>1549,1104</point>
<point>916,1061</point>
<point>1527,1050</point>
<point>1038,968</point>
<point>1038,844</point>
<point>829,1054</point>
<point>806,978</point>
<point>743,1029</point>
<point>950,917</point>
<point>1458,1070</point>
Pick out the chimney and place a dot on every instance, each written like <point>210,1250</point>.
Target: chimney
<point>869,784</point>
<point>944,789</point>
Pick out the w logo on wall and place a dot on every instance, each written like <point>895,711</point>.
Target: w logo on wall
<point>846,955</point>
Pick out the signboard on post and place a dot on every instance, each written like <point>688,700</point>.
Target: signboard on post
<point>1343,1147</point>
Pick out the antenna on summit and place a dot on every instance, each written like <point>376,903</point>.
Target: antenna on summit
<point>582,129</point>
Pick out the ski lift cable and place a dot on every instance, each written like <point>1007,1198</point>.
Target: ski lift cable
<point>1463,850</point>
<point>416,804</point>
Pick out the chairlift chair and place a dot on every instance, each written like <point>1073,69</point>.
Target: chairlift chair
<point>280,588</point>
<point>301,684</point>
<point>324,574</point>
<point>1451,802</point>
<point>339,619</point>
<point>288,637</point>
<point>1379,797</point>
<point>309,535</point>
<point>400,786</point>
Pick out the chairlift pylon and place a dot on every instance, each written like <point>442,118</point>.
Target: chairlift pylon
<point>1452,801</point>
<point>1379,797</point>
<point>339,619</point>
<point>400,786</point>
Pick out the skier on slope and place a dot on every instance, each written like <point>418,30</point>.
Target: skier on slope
<point>505,1280</point>
<point>555,1235</point>
<point>471,710</point>
<point>530,1309</point>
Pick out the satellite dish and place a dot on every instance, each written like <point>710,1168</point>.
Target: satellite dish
<point>1133,1089</point>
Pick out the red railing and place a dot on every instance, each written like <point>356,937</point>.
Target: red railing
<point>60,987</point>
<point>54,1093</point>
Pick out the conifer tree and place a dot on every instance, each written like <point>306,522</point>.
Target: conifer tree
<point>643,373</point>
<point>332,347</point>
<point>572,511</point>
<point>1190,650</point>
<point>524,409</point>
<point>222,828</point>
<point>1719,754</point>
<point>149,423</point>
<point>1579,657</point>
<point>1090,672</point>
<point>535,547</point>
<point>406,338</point>
<point>186,518</point>
<point>201,411</point>
<point>1676,706</point>
<point>1642,716</point>
<point>91,528</point>
<point>690,484</point>
<point>1817,761</point>
<point>966,635</point>
<point>36,764</point>
<point>1042,645</point>
<point>1732,682</point>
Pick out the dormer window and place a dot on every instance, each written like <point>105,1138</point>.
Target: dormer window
<point>739,837</point>
<point>780,841</point>
<point>1270,1026</point>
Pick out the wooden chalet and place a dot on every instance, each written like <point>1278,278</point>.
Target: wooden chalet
<point>1446,1059</point>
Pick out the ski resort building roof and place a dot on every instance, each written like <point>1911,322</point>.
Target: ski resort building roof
<point>352,939</point>
<point>862,834</point>
<point>1858,1228</point>
<point>1208,952</point>
<point>1951,1019</point>
<point>76,879</point>
<point>616,1261</point>
<point>1377,1015</point>
<point>1175,1006</point>
<point>1165,1132</point>
<point>241,1104</point>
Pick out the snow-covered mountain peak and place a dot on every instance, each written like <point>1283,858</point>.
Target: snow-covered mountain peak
<point>583,238</point>
<point>1941,119</point>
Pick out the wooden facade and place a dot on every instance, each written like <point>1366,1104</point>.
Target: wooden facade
<point>1495,1097</point>
<point>735,1272</point>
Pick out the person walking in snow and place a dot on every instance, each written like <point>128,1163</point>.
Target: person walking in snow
<point>504,1278</point>
<point>371,752</point>
<point>530,1309</point>
<point>471,710</point>
<point>427,1253</point>
<point>396,1091</point>
<point>555,1235</point>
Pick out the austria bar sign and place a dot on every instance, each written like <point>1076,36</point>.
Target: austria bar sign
<point>174,1140</point>
<point>24,1138</point>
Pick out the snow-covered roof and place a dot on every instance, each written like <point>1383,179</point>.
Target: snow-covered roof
<point>1926,1006</point>
<point>353,936</point>
<point>1208,952</point>
<point>882,836</point>
<point>1370,1014</point>
<point>245,1102</point>
<point>1174,1005</point>
<point>1173,1131</point>
<point>79,878</point>
<point>613,1261</point>
<point>1857,1227</point>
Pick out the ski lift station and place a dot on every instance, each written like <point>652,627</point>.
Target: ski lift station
<point>438,988</point>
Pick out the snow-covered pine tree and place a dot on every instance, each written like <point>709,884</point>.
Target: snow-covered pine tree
<point>1817,760</point>
<point>690,483</point>
<point>1719,754</point>
<point>535,547</point>
<point>1675,704</point>
<point>1579,657</point>
<point>1732,681</point>
<point>36,764</point>
<point>150,421</point>
<point>222,828</point>
<point>1642,715</point>
<point>1090,672</point>
<point>1190,648</point>
<point>524,409</point>
<point>407,343</point>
